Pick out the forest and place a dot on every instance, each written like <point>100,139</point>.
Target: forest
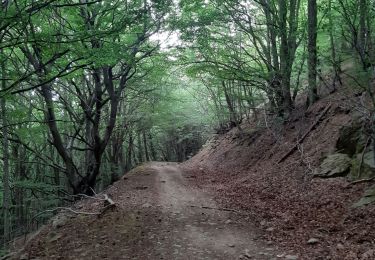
<point>90,89</point>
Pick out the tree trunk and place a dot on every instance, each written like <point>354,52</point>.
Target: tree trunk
<point>285,59</point>
<point>129,154</point>
<point>228,99</point>
<point>145,145</point>
<point>6,186</point>
<point>362,33</point>
<point>312,51</point>
<point>152,147</point>
<point>140,148</point>
<point>335,63</point>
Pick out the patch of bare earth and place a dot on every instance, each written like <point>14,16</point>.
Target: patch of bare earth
<point>158,215</point>
<point>283,198</point>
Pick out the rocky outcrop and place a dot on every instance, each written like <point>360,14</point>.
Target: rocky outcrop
<point>351,159</point>
<point>335,165</point>
<point>351,140</point>
<point>368,197</point>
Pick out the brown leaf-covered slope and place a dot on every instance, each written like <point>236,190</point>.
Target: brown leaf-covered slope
<point>290,205</point>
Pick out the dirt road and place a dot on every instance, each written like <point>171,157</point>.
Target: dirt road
<point>159,215</point>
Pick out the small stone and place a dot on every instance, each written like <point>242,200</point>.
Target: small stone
<point>59,221</point>
<point>312,241</point>
<point>54,237</point>
<point>228,222</point>
<point>263,223</point>
<point>340,246</point>
<point>231,245</point>
<point>270,229</point>
<point>25,256</point>
<point>247,254</point>
<point>291,257</point>
<point>370,254</point>
<point>146,205</point>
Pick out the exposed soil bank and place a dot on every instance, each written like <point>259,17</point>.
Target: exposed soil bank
<point>292,206</point>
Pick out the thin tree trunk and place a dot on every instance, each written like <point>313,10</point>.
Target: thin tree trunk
<point>129,154</point>
<point>312,52</point>
<point>362,32</point>
<point>152,147</point>
<point>145,145</point>
<point>336,64</point>
<point>6,186</point>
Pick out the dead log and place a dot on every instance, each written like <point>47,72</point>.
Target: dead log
<point>295,147</point>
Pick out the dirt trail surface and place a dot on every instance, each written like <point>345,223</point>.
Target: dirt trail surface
<point>158,215</point>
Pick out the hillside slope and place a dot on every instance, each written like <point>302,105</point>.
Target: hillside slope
<point>284,198</point>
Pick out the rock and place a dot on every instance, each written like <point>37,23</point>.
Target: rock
<point>25,256</point>
<point>54,237</point>
<point>247,254</point>
<point>291,257</point>
<point>141,187</point>
<point>228,222</point>
<point>370,254</point>
<point>368,159</point>
<point>368,197</point>
<point>270,229</point>
<point>146,205</point>
<point>263,223</point>
<point>312,241</point>
<point>335,165</point>
<point>59,221</point>
<point>350,140</point>
<point>340,246</point>
<point>231,245</point>
<point>354,170</point>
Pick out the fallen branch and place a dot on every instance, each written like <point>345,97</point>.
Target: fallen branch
<point>71,210</point>
<point>295,147</point>
<point>108,203</point>
<point>361,181</point>
<point>220,209</point>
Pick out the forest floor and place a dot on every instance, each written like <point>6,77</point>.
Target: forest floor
<point>158,215</point>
